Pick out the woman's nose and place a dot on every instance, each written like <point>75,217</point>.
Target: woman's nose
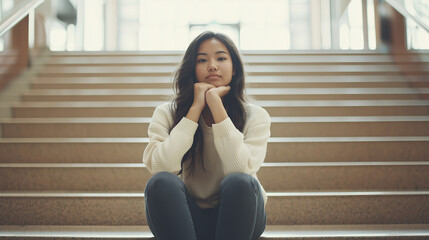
<point>212,67</point>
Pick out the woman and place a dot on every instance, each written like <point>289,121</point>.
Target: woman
<point>205,148</point>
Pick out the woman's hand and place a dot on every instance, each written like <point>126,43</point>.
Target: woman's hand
<point>214,101</point>
<point>200,90</point>
<point>215,94</point>
<point>199,103</point>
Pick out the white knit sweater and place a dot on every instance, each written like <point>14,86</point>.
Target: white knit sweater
<point>226,150</point>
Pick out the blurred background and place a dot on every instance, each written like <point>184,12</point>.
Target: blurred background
<point>116,25</point>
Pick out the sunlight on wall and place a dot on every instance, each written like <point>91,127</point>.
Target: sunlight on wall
<point>94,27</point>
<point>57,37</point>
<point>417,38</point>
<point>5,7</point>
<point>351,28</point>
<point>356,27</point>
<point>371,25</point>
<point>253,24</point>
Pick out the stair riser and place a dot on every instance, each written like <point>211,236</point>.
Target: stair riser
<point>70,98</point>
<point>119,152</point>
<point>277,179</point>
<point>34,112</point>
<point>280,210</point>
<point>279,73</point>
<point>309,69</point>
<point>247,59</point>
<point>349,111</point>
<point>300,80</point>
<point>285,129</point>
<point>72,211</point>
<point>348,210</point>
<point>100,85</point>
<point>261,238</point>
<point>347,151</point>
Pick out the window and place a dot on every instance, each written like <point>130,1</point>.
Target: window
<point>252,24</point>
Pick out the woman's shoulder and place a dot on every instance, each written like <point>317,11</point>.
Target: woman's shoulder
<point>165,105</point>
<point>257,113</point>
<point>163,111</point>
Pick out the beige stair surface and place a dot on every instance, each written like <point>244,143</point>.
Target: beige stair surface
<point>277,232</point>
<point>143,82</point>
<point>283,208</point>
<point>157,70</point>
<point>255,93</point>
<point>336,126</point>
<point>250,57</point>
<point>280,149</point>
<point>275,108</point>
<point>275,177</point>
<point>348,156</point>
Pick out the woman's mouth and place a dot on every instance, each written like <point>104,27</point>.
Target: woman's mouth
<point>213,76</point>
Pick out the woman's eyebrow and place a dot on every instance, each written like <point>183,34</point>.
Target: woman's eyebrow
<point>221,52</point>
<point>218,52</point>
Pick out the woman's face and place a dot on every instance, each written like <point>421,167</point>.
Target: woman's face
<point>214,64</point>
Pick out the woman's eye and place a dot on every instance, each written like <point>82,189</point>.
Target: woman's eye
<point>201,60</point>
<point>221,59</point>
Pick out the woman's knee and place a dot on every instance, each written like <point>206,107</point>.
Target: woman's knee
<point>162,181</point>
<point>240,183</point>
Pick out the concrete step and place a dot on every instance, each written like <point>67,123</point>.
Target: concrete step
<point>272,232</point>
<point>302,69</point>
<point>251,58</point>
<point>367,81</point>
<point>243,52</point>
<point>283,208</point>
<point>280,149</point>
<point>275,108</point>
<point>255,93</point>
<point>275,177</point>
<point>280,127</point>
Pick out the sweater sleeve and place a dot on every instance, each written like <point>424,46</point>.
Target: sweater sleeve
<point>243,152</point>
<point>166,148</point>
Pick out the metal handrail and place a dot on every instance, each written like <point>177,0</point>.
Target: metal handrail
<point>18,15</point>
<point>401,9</point>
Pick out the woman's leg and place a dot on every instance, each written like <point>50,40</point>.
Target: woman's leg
<point>241,208</point>
<point>167,210</point>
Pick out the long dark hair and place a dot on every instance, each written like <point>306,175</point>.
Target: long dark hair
<point>184,81</point>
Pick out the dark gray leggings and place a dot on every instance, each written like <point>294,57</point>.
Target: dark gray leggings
<point>172,213</point>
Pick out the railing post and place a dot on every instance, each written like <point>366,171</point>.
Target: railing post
<point>391,30</point>
<point>16,51</point>
<point>365,24</point>
<point>20,42</point>
<point>335,24</point>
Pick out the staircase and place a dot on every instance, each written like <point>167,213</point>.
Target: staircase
<point>348,157</point>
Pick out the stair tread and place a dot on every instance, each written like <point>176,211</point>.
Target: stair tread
<point>278,103</point>
<point>268,69</point>
<point>121,194</point>
<point>249,79</point>
<point>272,139</point>
<point>251,91</point>
<point>273,119</point>
<point>264,165</point>
<point>247,59</point>
<point>270,231</point>
<point>244,52</point>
